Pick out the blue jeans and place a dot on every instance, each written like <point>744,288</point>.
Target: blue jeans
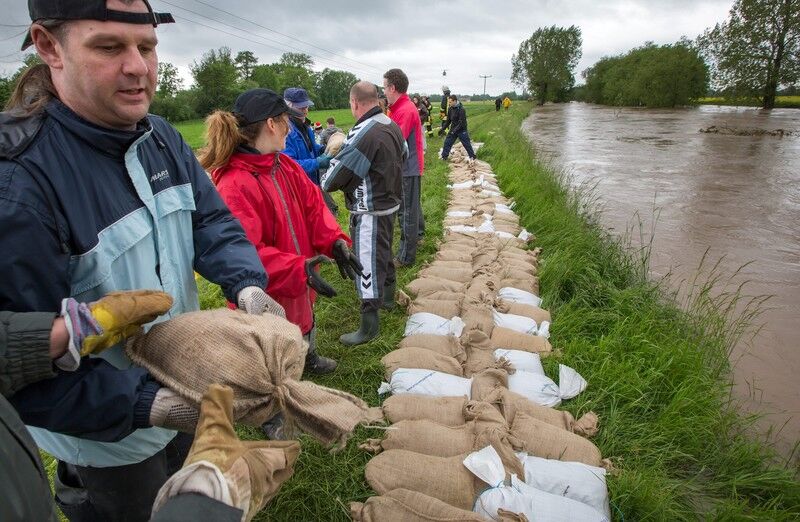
<point>462,136</point>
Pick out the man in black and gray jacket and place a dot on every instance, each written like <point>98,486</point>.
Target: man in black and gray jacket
<point>368,171</point>
<point>457,121</point>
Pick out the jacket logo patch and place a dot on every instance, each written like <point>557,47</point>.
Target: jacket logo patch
<point>159,176</point>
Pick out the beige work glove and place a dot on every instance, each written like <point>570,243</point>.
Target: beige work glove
<point>242,474</point>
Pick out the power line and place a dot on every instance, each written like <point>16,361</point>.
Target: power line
<point>284,34</point>
<point>484,81</point>
<point>281,49</point>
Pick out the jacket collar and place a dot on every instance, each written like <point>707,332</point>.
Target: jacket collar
<point>111,142</point>
<point>369,114</point>
<point>248,161</point>
<point>400,101</point>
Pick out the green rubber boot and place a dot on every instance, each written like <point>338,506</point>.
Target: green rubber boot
<point>388,297</point>
<point>367,331</point>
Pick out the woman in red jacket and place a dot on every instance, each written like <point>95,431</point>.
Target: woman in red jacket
<point>281,210</point>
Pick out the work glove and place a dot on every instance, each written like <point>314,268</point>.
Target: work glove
<point>348,263</point>
<point>244,475</point>
<point>98,325</point>
<point>173,412</point>
<point>315,280</point>
<point>323,161</point>
<point>255,300</point>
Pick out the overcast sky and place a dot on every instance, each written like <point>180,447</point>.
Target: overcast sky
<point>467,38</point>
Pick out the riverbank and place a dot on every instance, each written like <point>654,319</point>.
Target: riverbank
<point>781,102</point>
<point>656,375</point>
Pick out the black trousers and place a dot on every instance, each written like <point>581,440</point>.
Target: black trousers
<point>372,244</point>
<point>119,493</point>
<point>412,223</point>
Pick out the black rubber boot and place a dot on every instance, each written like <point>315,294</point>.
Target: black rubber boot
<point>315,363</point>
<point>367,331</point>
<point>388,297</point>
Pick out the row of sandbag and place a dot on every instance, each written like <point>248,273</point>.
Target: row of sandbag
<point>475,333</point>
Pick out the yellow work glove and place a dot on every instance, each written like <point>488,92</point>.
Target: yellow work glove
<point>99,325</point>
<point>242,474</point>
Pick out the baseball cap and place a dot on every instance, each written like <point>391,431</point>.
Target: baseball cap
<point>258,104</point>
<point>89,10</point>
<point>298,97</point>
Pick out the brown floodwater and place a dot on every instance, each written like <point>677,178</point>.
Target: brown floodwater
<point>737,197</point>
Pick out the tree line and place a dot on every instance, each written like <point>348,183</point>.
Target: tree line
<point>753,55</point>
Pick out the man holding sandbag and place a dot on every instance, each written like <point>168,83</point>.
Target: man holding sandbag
<point>99,196</point>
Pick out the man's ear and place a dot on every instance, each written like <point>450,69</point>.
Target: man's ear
<point>48,47</point>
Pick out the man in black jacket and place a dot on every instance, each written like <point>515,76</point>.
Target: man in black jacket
<point>457,121</point>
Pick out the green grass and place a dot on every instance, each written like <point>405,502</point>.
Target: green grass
<point>658,375</point>
<point>781,102</point>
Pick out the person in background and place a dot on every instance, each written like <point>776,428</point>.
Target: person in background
<point>301,144</point>
<point>457,121</point>
<point>428,122</point>
<point>328,131</point>
<point>506,103</point>
<point>317,132</point>
<point>403,112</point>
<point>368,169</point>
<point>100,196</point>
<point>443,107</point>
<point>497,103</point>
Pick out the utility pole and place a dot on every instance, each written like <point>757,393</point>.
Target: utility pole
<point>484,81</point>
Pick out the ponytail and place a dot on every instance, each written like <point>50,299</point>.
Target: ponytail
<point>34,89</point>
<point>223,136</point>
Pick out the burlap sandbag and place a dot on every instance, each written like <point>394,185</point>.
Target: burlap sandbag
<point>440,307</point>
<point>408,406</point>
<point>423,286</point>
<point>511,340</point>
<point>485,382</point>
<point>334,144</point>
<point>483,288</point>
<point>460,276</point>
<point>512,272</point>
<point>261,358</point>
<point>513,252</point>
<point>452,265</point>
<point>506,217</point>
<point>444,478</point>
<point>477,315</point>
<point>534,312</point>
<point>550,442</point>
<point>444,344</point>
<point>519,265</point>
<point>483,257</point>
<point>420,358</point>
<point>510,403</point>
<point>454,255</point>
<point>479,351</point>
<point>528,284</point>
<point>509,228</point>
<point>403,505</point>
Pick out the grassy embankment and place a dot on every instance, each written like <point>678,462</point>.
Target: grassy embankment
<point>658,376</point>
<point>781,102</point>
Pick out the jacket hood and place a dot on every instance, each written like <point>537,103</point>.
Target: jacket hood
<point>256,163</point>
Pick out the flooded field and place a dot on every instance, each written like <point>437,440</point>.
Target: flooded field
<point>737,197</point>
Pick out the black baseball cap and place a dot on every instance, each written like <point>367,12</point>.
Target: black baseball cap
<point>258,104</point>
<point>89,10</point>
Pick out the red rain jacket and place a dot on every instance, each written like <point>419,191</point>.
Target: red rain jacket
<point>270,203</point>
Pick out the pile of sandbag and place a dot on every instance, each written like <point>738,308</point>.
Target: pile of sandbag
<point>261,358</point>
<point>474,431</point>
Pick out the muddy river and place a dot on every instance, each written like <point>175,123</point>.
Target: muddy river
<point>736,196</point>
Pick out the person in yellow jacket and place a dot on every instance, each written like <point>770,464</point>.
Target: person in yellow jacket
<point>506,102</point>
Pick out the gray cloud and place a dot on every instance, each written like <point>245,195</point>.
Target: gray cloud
<point>468,38</point>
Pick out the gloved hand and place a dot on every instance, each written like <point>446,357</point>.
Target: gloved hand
<point>255,300</point>
<point>101,324</point>
<point>441,132</point>
<point>348,263</point>
<point>315,280</point>
<point>323,161</point>
<point>244,475</point>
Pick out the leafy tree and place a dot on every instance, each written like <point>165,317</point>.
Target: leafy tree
<point>545,62</point>
<point>245,62</point>
<point>756,50</point>
<point>169,81</point>
<point>651,75</point>
<point>302,60</point>
<point>215,78</point>
<point>267,76</point>
<point>333,88</point>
